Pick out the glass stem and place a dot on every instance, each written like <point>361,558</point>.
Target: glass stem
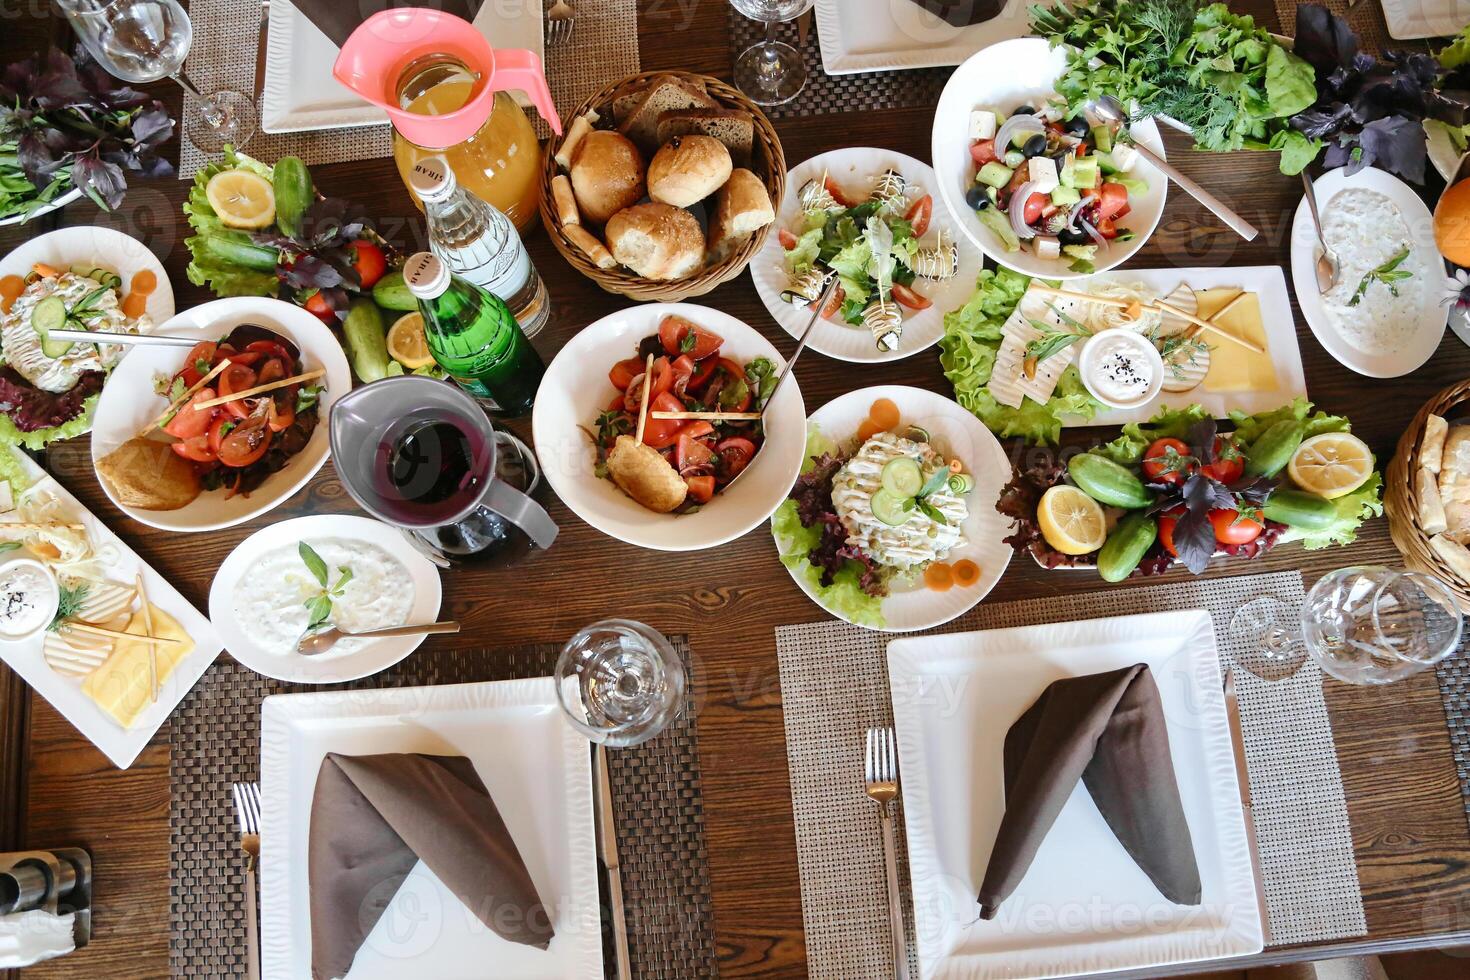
<point>770,60</point>
<point>208,108</point>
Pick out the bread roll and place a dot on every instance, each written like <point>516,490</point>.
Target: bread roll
<point>590,246</point>
<point>607,175</point>
<point>657,241</point>
<point>742,207</point>
<point>688,169</point>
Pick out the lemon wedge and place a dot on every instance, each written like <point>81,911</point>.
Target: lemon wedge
<point>242,199</point>
<point>407,344</point>
<point>1331,465</point>
<point>1071,521</point>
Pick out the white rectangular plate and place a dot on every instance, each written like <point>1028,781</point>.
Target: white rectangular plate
<point>1411,19</point>
<point>119,744</point>
<point>1268,282</point>
<point>873,35</point>
<point>537,769</point>
<point>1084,907</point>
<point>299,92</point>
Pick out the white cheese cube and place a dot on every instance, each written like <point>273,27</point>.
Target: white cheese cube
<point>1048,248</point>
<point>1124,156</point>
<point>1042,172</point>
<point>982,124</point>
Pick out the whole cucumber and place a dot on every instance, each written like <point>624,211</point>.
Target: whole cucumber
<point>1294,508</point>
<point>236,248</point>
<point>1273,449</point>
<point>366,342</point>
<point>291,182</point>
<point>391,294</point>
<point>1126,546</point>
<point>1107,482</point>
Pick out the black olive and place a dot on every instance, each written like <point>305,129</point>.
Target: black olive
<point>1069,237</point>
<point>1024,110</point>
<point>1035,146</point>
<point>1077,125</point>
<point>977,199</point>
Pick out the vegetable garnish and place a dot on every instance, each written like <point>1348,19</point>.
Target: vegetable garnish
<point>1388,273</point>
<point>319,604</point>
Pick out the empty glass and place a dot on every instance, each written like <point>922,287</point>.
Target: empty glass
<point>620,682</point>
<point>1363,625</point>
<point>148,40</point>
<point>771,72</point>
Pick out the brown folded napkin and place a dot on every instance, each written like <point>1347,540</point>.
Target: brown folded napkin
<point>963,13</point>
<point>337,19</point>
<point>1108,730</point>
<point>374,816</point>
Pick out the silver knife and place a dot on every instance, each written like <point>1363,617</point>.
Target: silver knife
<point>607,846</point>
<point>1243,780</point>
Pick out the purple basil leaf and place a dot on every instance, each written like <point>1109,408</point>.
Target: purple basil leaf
<point>1323,39</point>
<point>1194,540</point>
<point>152,127</point>
<point>100,180</point>
<point>1202,441</point>
<point>308,272</point>
<point>1398,144</point>
<point>1317,123</point>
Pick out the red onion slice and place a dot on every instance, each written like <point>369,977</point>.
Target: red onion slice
<point>1093,233</point>
<point>1014,125</point>
<point>1017,211</point>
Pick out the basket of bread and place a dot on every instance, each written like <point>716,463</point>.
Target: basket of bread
<point>662,186</point>
<point>1427,490</point>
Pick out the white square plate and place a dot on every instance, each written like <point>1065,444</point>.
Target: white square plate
<point>873,35</point>
<point>119,744</point>
<point>299,92</point>
<point>537,769</point>
<point>1084,907</point>
<point>1411,19</point>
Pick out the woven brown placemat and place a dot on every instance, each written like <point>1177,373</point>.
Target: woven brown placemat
<point>214,739</point>
<point>1365,17</point>
<point>824,93</point>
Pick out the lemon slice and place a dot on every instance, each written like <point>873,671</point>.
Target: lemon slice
<point>242,199</point>
<point>1071,521</point>
<point>1332,464</point>
<point>406,342</point>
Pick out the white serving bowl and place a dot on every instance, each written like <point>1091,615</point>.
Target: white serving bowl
<point>576,389</point>
<point>1002,76</point>
<point>129,403</point>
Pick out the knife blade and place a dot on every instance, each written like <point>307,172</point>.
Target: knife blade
<point>1242,778</point>
<point>607,847</point>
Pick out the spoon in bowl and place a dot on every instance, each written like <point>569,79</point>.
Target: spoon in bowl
<point>1328,271</point>
<point>314,643</point>
<point>1110,110</point>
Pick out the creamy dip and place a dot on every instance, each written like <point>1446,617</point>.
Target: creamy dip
<point>1365,229</point>
<point>27,599</point>
<point>921,539</point>
<point>22,345</point>
<point>270,598</point>
<point>1120,367</point>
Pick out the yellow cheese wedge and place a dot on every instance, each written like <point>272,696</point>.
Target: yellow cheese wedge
<point>1232,367</point>
<point>122,686</point>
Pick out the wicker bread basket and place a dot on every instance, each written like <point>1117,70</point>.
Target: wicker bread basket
<point>1401,501</point>
<point>766,161</point>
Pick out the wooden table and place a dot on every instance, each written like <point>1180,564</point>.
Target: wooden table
<point>1408,820</point>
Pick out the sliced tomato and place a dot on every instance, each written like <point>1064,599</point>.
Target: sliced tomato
<point>662,433</point>
<point>280,417</point>
<point>195,448</point>
<point>188,421</point>
<point>245,443</point>
<point>735,455</point>
<point>736,442</point>
<point>703,370</point>
<point>623,372</point>
<point>1167,522</point>
<point>1167,461</point>
<point>904,296</point>
<point>201,353</point>
<point>836,191</point>
<point>1034,206</point>
<point>218,429</point>
<point>983,152</point>
<point>691,452</point>
<point>1232,527</point>
<point>1107,229</point>
<point>919,214</point>
<point>271,370</point>
<point>236,377</point>
<point>271,348</point>
<point>673,333</point>
<point>697,429</point>
<point>839,295</point>
<point>1111,199</point>
<point>787,239</point>
<point>245,358</point>
<point>701,488</point>
<point>368,261</point>
<point>1229,461</point>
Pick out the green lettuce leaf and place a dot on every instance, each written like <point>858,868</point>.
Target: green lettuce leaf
<point>206,265</point>
<point>1168,423</point>
<point>13,471</point>
<point>1249,427</point>
<point>1457,52</point>
<point>1291,83</point>
<point>799,259</point>
<point>11,436</point>
<point>1352,510</point>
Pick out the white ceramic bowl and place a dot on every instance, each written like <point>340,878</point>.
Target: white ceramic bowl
<point>1087,361</point>
<point>576,389</point>
<point>129,403</point>
<point>1003,76</point>
<point>100,246</point>
<point>56,204</point>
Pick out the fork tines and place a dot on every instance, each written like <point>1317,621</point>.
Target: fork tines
<point>247,807</point>
<point>559,29</point>
<point>881,764</point>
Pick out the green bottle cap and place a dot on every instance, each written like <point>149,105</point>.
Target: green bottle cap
<point>425,276</point>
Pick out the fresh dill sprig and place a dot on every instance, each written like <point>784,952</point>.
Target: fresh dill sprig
<point>72,597</point>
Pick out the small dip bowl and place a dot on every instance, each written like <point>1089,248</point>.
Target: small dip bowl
<point>1090,365</point>
<point>48,597</point>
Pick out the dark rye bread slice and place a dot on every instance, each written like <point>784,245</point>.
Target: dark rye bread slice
<point>664,93</point>
<point>625,103</point>
<point>733,127</point>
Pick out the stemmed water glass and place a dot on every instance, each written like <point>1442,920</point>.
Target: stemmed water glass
<point>148,40</point>
<point>1363,625</point>
<point>771,72</point>
<point>620,682</point>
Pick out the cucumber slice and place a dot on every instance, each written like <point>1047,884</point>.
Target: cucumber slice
<point>961,484</point>
<point>995,174</point>
<point>917,433</point>
<point>902,477</point>
<point>889,508</point>
<point>48,315</point>
<point>81,269</point>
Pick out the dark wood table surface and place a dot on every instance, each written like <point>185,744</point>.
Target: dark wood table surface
<point>1408,819</point>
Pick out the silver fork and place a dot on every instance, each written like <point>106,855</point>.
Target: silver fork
<point>881,773</point>
<point>247,813</point>
<point>560,20</point>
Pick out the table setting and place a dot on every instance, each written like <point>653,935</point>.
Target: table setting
<point>1096,383</point>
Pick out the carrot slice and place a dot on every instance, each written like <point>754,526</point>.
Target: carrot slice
<point>144,282</point>
<point>939,576</point>
<point>134,304</point>
<point>10,289</point>
<point>966,573</point>
<point>45,271</point>
<point>884,414</point>
<point>868,430</point>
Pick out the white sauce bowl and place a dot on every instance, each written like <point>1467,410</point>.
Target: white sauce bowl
<point>1096,346</point>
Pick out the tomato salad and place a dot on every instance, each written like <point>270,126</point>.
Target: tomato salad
<point>689,375</point>
<point>237,445</point>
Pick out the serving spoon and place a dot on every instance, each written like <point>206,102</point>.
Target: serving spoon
<point>314,643</point>
<point>1328,271</point>
<point>1110,110</point>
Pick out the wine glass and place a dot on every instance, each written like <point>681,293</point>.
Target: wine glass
<point>771,72</point>
<point>619,682</point>
<point>1363,625</point>
<point>148,40</point>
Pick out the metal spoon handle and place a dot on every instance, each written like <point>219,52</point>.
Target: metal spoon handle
<point>122,339</point>
<point>1218,208</point>
<point>427,629</point>
<point>1311,193</point>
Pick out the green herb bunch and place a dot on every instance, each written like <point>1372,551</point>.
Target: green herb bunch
<point>320,605</point>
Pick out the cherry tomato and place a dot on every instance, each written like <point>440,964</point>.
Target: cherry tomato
<point>835,190</point>
<point>1167,461</point>
<point>368,261</point>
<point>316,304</point>
<point>662,381</point>
<point>674,331</point>
<point>195,448</point>
<point>701,488</point>
<point>1167,521</point>
<point>623,373</point>
<point>1034,206</point>
<point>904,296</point>
<point>919,214</point>
<point>1229,461</point>
<point>202,353</point>
<point>1111,199</point>
<point>662,433</point>
<point>188,421</point>
<point>245,443</point>
<point>983,152</point>
<point>1231,527</point>
<point>690,452</point>
<point>236,377</point>
<point>786,238</point>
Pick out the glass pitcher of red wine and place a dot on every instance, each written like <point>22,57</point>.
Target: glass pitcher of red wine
<point>422,455</point>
